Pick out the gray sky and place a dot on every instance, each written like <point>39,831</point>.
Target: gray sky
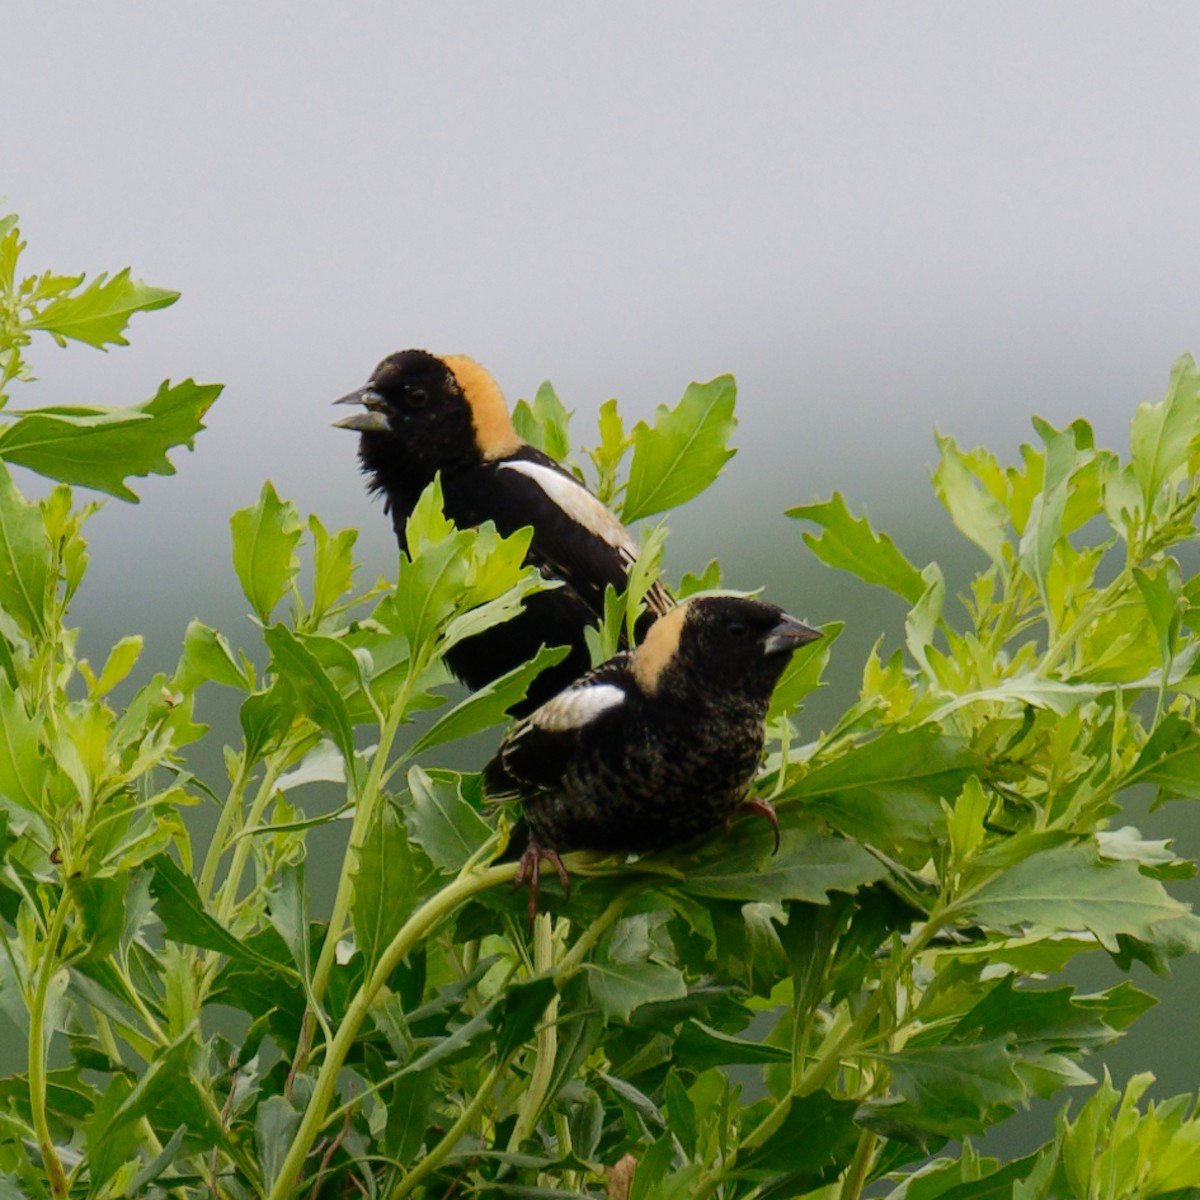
<point>879,217</point>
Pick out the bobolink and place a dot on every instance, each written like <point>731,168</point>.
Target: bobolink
<point>656,746</point>
<point>423,415</point>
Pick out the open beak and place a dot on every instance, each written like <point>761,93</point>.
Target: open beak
<point>788,635</point>
<point>374,417</point>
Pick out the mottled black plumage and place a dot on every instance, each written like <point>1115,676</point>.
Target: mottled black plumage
<point>423,415</point>
<point>656,746</point>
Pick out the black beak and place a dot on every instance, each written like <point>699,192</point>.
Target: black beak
<point>373,420</point>
<point>788,635</point>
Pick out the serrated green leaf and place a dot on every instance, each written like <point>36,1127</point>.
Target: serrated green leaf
<point>120,661</point>
<point>1069,888</point>
<point>810,864</point>
<point>100,313</point>
<point>385,885</point>
<point>683,452</point>
<point>101,448</point>
<point>953,1090</point>
<point>24,558</point>
<point>1163,435</point>
<point>607,457</point>
<point>1171,759</point>
<point>888,791</point>
<point>849,543</point>
<point>802,675</point>
<point>618,988</point>
<point>813,1144</point>
<point>265,538</point>
<point>185,919</point>
<point>441,821</point>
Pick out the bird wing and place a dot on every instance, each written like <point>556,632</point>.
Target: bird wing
<point>584,543</point>
<point>537,751</point>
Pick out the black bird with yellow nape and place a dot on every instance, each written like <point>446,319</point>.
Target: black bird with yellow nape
<point>422,415</point>
<point>655,747</point>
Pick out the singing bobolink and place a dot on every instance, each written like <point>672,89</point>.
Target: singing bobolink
<point>656,746</point>
<point>422,415</point>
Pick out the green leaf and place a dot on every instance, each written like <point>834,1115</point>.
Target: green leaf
<point>802,675</point>
<point>385,885</point>
<point>295,661</point>
<point>265,538</point>
<point>954,1090</point>
<point>24,558</point>
<point>545,424</point>
<point>813,1145</point>
<point>888,791</point>
<point>100,313</point>
<point>102,447</point>
<point>700,1047</point>
<point>684,451</point>
<point>441,821</point>
<point>977,513</point>
<point>490,704</point>
<point>207,656</point>
<point>333,565</point>
<point>1163,435</point>
<point>120,662</point>
<point>810,864</point>
<point>23,765</point>
<point>850,544</point>
<point>1069,887</point>
<point>1170,759</point>
<point>618,988</point>
<point>185,919</point>
<point>607,457</point>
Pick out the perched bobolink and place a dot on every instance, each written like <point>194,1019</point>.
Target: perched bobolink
<point>656,746</point>
<point>423,415</point>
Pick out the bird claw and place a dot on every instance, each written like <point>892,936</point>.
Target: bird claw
<point>765,810</point>
<point>529,869</point>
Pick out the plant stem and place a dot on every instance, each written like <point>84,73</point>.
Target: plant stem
<point>37,1050</point>
<point>415,929</point>
<point>241,851</point>
<point>450,1139</point>
<point>860,1166</point>
<point>216,847</point>
<point>363,811</point>
<point>547,1039</point>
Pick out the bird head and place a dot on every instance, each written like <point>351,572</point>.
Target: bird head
<point>422,411</point>
<point>720,644</point>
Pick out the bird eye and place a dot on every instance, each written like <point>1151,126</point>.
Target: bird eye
<point>416,397</point>
<point>737,629</point>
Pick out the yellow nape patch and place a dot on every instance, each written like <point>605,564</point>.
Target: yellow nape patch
<point>652,656</point>
<point>494,432</point>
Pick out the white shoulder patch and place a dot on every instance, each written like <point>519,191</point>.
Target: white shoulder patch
<point>579,504</point>
<point>577,706</point>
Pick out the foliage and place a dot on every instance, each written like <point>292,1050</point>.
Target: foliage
<point>736,1024</point>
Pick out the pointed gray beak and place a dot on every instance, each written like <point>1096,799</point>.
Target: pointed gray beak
<point>788,635</point>
<point>373,420</point>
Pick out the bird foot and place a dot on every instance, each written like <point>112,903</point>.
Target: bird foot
<point>763,809</point>
<point>529,870</point>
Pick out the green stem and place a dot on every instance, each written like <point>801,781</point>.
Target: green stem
<point>573,959</point>
<point>860,1166</point>
<point>220,837</point>
<point>363,811</point>
<point>241,851</point>
<point>415,929</point>
<point>547,1039</point>
<point>38,1048</point>
<point>450,1139</point>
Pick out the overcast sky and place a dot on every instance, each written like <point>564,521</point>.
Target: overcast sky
<point>880,218</point>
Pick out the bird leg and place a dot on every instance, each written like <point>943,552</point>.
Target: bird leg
<point>763,809</point>
<point>529,869</point>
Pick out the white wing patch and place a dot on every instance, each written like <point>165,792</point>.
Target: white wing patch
<point>577,707</point>
<point>579,504</point>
